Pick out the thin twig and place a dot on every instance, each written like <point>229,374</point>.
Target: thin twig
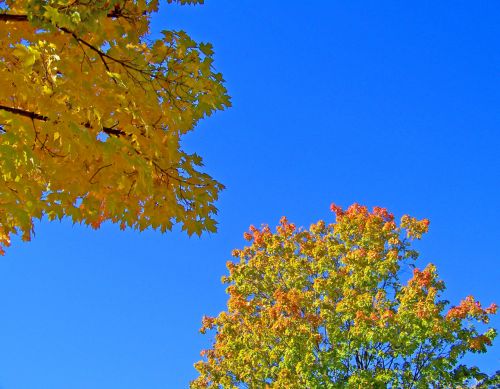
<point>97,171</point>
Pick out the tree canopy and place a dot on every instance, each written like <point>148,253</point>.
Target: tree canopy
<point>341,305</point>
<point>92,112</point>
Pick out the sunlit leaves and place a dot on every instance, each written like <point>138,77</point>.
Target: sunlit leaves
<point>340,305</point>
<point>92,112</point>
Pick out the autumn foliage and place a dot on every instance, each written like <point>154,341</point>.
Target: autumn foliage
<point>340,305</point>
<point>92,112</point>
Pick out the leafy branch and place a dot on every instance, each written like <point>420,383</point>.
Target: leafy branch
<point>110,131</point>
<point>36,116</point>
<point>116,13</point>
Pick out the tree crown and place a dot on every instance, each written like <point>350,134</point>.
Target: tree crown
<point>328,307</point>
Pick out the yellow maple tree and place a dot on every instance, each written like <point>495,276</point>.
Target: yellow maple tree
<point>92,112</point>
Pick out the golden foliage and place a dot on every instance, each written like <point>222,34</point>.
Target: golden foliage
<point>92,113</point>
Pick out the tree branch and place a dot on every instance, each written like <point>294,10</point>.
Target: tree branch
<point>27,114</point>
<point>129,68</point>
<point>13,18</point>
<point>37,116</point>
<point>97,172</point>
<point>108,130</point>
<point>102,54</point>
<point>115,13</point>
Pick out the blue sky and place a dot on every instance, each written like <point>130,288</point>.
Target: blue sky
<point>384,103</point>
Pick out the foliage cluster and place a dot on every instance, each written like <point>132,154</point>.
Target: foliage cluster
<point>328,307</point>
<point>92,112</point>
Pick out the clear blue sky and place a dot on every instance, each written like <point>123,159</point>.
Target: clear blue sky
<point>386,103</point>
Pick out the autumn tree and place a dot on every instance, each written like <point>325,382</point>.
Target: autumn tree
<point>341,305</point>
<point>92,112</point>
